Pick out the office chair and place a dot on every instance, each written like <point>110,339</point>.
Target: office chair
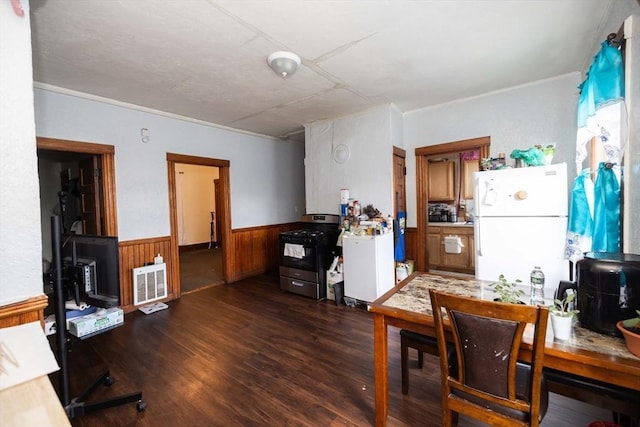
<point>489,383</point>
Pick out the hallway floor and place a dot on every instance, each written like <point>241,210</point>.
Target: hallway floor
<point>200,268</point>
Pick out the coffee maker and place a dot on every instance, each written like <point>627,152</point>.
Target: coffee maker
<point>608,287</point>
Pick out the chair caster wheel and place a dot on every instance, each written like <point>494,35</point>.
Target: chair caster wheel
<point>108,381</point>
<point>141,406</point>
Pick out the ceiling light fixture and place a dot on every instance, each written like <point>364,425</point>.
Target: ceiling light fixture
<point>284,63</point>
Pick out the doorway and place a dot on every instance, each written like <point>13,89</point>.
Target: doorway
<point>77,181</point>
<point>422,172</point>
<point>222,221</point>
<point>200,253</point>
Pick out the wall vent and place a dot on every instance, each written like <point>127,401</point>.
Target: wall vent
<point>149,283</point>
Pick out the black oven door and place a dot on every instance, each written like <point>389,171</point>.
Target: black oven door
<point>298,254</point>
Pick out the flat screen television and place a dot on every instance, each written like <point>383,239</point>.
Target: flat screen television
<point>93,262</point>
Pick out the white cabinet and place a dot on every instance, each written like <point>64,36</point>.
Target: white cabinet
<point>368,266</point>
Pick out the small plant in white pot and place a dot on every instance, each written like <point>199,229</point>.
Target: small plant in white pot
<point>562,316</point>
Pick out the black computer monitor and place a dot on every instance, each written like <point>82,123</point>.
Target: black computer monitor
<point>93,262</point>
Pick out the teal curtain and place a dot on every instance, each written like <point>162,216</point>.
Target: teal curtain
<point>594,214</point>
<point>606,224</point>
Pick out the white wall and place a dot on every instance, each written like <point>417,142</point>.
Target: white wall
<point>195,196</point>
<point>368,173</point>
<point>540,113</point>
<point>266,173</point>
<point>20,246</point>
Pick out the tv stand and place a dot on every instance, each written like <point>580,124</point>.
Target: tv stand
<point>78,405</point>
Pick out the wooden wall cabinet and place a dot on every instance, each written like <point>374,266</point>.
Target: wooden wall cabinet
<point>440,185</point>
<point>468,168</point>
<point>439,259</point>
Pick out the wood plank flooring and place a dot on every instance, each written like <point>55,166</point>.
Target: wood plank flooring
<point>248,354</point>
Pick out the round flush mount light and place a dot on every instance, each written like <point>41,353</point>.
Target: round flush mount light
<point>284,63</point>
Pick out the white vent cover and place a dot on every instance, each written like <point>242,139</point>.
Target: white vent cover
<point>149,283</point>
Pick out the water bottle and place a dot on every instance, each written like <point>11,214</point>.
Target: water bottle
<point>537,286</point>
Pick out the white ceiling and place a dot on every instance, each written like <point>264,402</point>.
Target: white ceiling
<point>206,59</point>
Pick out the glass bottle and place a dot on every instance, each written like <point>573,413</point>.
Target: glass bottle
<point>537,286</point>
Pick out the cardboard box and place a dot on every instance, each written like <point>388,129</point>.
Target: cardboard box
<point>50,326</point>
<point>95,322</point>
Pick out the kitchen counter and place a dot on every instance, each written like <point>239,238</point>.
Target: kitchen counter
<point>451,224</point>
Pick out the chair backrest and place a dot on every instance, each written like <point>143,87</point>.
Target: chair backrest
<point>489,383</point>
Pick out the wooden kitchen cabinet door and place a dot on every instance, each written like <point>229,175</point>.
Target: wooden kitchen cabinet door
<point>434,247</point>
<point>461,260</point>
<point>468,168</point>
<point>441,183</point>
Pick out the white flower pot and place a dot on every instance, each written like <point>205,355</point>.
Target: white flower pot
<point>561,326</point>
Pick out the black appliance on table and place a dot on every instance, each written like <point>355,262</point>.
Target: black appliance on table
<point>307,253</point>
<point>608,286</point>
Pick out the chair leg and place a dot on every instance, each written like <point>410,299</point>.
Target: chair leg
<point>404,359</point>
<point>420,359</point>
<point>449,418</point>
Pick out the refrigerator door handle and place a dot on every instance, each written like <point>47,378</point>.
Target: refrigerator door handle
<point>478,240</point>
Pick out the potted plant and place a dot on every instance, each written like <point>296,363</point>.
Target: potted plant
<point>507,292</point>
<point>562,316</point>
<point>630,329</point>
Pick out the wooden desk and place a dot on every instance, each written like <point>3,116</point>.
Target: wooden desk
<point>408,306</point>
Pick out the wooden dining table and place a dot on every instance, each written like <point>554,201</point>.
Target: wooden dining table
<point>407,306</point>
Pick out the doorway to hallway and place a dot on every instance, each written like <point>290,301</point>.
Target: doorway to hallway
<point>207,266</point>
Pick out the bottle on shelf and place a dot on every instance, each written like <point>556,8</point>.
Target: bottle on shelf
<point>537,286</point>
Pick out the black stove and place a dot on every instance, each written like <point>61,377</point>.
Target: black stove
<point>305,255</point>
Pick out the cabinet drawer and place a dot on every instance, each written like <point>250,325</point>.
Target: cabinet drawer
<point>457,231</point>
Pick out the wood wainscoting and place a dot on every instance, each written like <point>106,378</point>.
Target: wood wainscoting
<point>30,310</point>
<point>254,250</point>
<point>251,251</point>
<point>411,243</point>
<point>137,253</point>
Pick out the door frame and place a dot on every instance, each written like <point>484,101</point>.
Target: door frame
<point>106,154</point>
<point>422,169</point>
<point>224,211</point>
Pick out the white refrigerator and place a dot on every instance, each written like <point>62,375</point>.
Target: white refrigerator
<point>520,221</point>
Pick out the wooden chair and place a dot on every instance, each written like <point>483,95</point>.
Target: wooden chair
<point>489,383</point>
<point>422,343</point>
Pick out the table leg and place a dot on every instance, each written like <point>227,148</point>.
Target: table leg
<point>381,367</point>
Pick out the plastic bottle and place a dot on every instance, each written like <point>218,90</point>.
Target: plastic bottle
<point>158,259</point>
<point>537,286</point>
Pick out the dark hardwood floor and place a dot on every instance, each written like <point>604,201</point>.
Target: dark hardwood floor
<point>248,354</point>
